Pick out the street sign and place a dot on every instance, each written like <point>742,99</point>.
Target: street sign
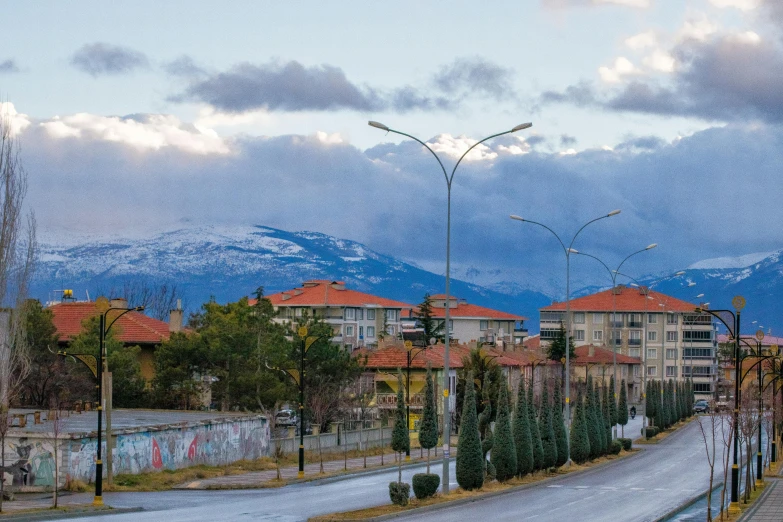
<point>302,331</point>
<point>760,335</point>
<point>738,302</point>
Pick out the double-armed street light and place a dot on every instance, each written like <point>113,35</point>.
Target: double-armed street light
<point>567,250</point>
<point>449,178</point>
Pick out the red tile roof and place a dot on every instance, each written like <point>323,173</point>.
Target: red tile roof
<point>601,356</point>
<point>464,310</point>
<point>131,328</point>
<point>394,356</point>
<point>320,292</point>
<point>627,299</point>
<point>533,342</point>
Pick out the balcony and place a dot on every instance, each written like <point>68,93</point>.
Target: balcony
<point>388,401</point>
<point>635,324</point>
<point>634,342</point>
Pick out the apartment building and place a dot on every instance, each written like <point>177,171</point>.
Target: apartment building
<point>358,319</point>
<point>665,332</point>
<point>469,322</point>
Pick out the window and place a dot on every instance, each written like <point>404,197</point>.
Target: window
<point>579,318</point>
<point>598,318</point>
<point>370,331</point>
<point>635,320</point>
<point>636,371</point>
<point>671,318</point>
<point>617,337</point>
<point>698,371</point>
<point>451,325</point>
<point>652,371</point>
<point>697,336</point>
<point>697,319</point>
<point>634,352</point>
<point>671,337</point>
<point>349,331</point>
<point>617,321</point>
<point>702,387</point>
<point>635,338</point>
<point>652,353</point>
<point>652,336</point>
<point>598,335</point>
<point>579,335</point>
<point>549,334</point>
<point>370,317</point>
<point>361,332</point>
<point>392,315</point>
<point>671,371</point>
<point>652,318</point>
<point>298,312</point>
<point>390,330</point>
<point>671,353</point>
<point>360,313</point>
<point>551,317</point>
<point>350,313</point>
<point>697,353</point>
<point>483,325</point>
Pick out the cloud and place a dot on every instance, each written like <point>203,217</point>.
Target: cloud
<point>622,67</point>
<point>293,87</point>
<point>742,5</point>
<point>726,77</point>
<point>105,59</point>
<point>567,141</point>
<point>564,4</point>
<point>16,122</point>
<point>476,75</point>
<point>8,66</point>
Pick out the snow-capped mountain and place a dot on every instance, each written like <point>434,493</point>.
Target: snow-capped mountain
<point>228,263</point>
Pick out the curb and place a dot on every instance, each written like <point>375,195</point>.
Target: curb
<point>688,503</point>
<point>487,496</point>
<point>49,514</point>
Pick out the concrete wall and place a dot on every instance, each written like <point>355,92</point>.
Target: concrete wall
<point>354,440</point>
<point>30,457</point>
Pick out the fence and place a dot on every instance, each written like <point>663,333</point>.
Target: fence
<point>336,441</point>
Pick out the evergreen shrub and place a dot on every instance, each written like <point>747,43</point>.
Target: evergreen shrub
<point>615,447</point>
<point>425,484</point>
<point>652,431</point>
<point>399,493</point>
<point>627,443</point>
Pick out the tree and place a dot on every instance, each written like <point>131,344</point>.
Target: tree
<point>561,435</point>
<point>486,372</point>
<point>522,433</point>
<point>179,364</point>
<point>556,349</point>
<point>651,403</point>
<point>622,410</point>
<point>535,432</point>
<point>51,376</point>
<point>401,441</point>
<point>606,414</point>
<point>17,252</point>
<point>504,452</point>
<point>548,443</point>
<point>614,417</point>
<point>432,327</point>
<point>428,427</point>
<point>485,431</point>
<point>470,466</point>
<point>157,298</point>
<point>599,419</point>
<point>709,431</point>
<point>593,430</point>
<point>580,440</point>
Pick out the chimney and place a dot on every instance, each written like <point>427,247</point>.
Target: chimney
<point>591,351</point>
<point>175,318</point>
<point>118,302</point>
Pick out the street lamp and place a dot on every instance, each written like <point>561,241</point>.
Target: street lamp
<point>567,251</point>
<point>613,275</point>
<point>449,178</point>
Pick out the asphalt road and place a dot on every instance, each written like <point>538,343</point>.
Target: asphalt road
<point>639,488</point>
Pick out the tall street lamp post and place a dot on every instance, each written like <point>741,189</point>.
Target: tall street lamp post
<point>449,178</point>
<point>613,275</point>
<point>567,251</point>
<point>731,320</point>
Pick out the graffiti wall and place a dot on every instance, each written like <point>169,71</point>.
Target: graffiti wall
<point>30,460</point>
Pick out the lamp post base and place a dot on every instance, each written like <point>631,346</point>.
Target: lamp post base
<point>759,483</point>
<point>300,474</point>
<point>97,501</point>
<point>734,508</point>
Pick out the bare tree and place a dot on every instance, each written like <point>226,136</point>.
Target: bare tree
<point>17,251</point>
<point>709,424</point>
<point>158,299</point>
<point>324,399</point>
<point>58,426</point>
<point>727,436</point>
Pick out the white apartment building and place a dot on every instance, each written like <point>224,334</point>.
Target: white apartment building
<point>358,319</point>
<point>665,332</point>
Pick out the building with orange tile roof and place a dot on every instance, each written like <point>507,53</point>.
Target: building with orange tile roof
<point>132,329</point>
<point>473,323</point>
<point>358,319</point>
<point>665,332</point>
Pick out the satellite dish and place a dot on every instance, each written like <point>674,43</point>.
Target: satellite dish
<point>432,341</point>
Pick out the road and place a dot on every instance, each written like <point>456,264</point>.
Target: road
<point>638,488</point>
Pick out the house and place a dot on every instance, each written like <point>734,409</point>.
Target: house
<point>598,362</point>
<point>473,323</point>
<point>666,333</point>
<point>132,328</point>
<point>358,319</point>
<point>727,373</point>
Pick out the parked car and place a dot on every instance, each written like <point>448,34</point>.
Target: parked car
<point>701,406</point>
<point>286,418</point>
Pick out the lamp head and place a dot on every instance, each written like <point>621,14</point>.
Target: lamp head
<point>678,274</point>
<point>613,213</point>
<point>378,125</point>
<point>691,284</point>
<point>518,218</point>
<point>699,296</point>
<point>139,309</point>
<point>521,126</point>
<point>573,251</point>
<point>651,246</point>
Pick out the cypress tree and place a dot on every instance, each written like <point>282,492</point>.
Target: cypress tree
<point>579,439</point>
<point>504,452</point>
<point>561,436</point>
<point>663,404</point>
<point>522,433</point>
<point>613,394</point>
<point>535,434</point>
<point>622,409</point>
<point>470,465</point>
<point>606,410</point>
<point>548,443</point>
<point>593,432</point>
<point>672,403</point>
<point>650,404</point>
<point>401,441</point>
<point>485,430</point>
<point>691,398</point>
<point>599,417</point>
<point>428,428</point>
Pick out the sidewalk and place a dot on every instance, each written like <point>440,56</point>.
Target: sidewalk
<point>769,506</point>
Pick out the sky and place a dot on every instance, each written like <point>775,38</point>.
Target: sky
<point>138,117</point>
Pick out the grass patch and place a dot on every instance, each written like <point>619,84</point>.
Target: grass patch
<point>460,494</point>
